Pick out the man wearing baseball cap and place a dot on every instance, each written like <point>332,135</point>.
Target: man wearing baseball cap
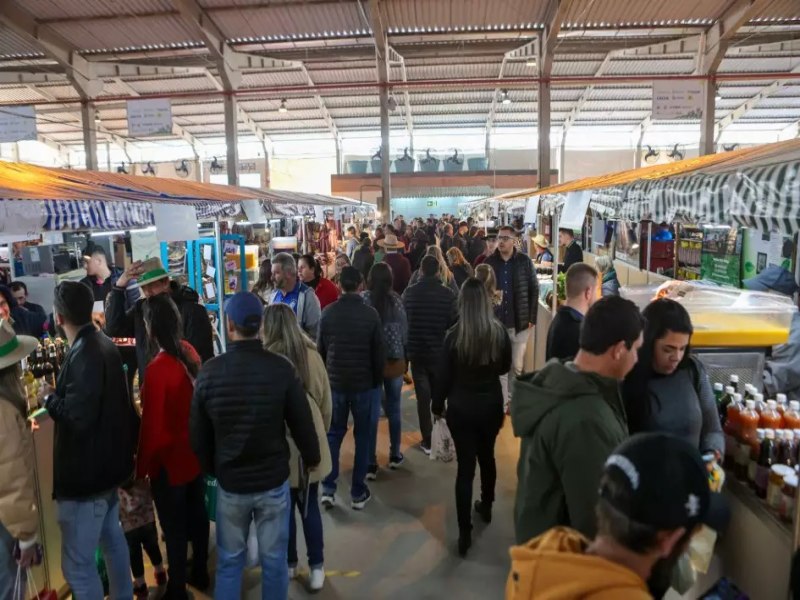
<point>244,401</point>
<point>654,495</point>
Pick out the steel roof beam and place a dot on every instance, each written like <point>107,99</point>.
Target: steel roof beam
<point>721,34</point>
<point>396,58</point>
<point>77,68</point>
<point>586,93</point>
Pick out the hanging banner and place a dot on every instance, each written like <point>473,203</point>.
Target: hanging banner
<point>532,210</point>
<point>676,99</point>
<point>17,123</point>
<point>253,211</point>
<point>175,223</point>
<point>574,213</point>
<point>23,217</point>
<point>149,117</point>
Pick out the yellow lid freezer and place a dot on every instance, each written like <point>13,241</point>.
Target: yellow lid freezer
<point>725,317</point>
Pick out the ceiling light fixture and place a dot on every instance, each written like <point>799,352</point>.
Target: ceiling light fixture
<point>531,62</point>
<point>504,98</point>
<point>283,108</point>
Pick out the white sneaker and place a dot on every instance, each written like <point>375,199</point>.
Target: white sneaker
<point>328,500</point>
<point>292,573</point>
<point>316,579</point>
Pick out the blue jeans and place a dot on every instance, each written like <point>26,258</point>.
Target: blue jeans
<point>8,566</point>
<point>312,528</point>
<point>270,510</point>
<point>393,390</point>
<point>361,405</point>
<point>85,524</point>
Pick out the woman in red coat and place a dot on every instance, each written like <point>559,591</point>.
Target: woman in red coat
<point>310,272</point>
<point>165,454</point>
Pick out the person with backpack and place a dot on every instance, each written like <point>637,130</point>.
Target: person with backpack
<point>669,390</point>
<point>380,296</point>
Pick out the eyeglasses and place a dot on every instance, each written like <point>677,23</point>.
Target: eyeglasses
<point>505,238</point>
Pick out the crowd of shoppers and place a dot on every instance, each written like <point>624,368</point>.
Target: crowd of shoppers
<point>267,417</point>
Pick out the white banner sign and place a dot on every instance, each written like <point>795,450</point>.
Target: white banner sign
<point>677,99</point>
<point>24,217</point>
<point>175,223</point>
<point>17,123</point>
<point>149,117</point>
<point>253,211</point>
<point>532,210</point>
<point>575,208</point>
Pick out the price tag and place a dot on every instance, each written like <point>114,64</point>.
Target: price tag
<point>210,271</point>
<point>207,252</point>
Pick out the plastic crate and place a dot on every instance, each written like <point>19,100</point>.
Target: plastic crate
<point>357,167</point>
<point>477,164</point>
<point>720,365</point>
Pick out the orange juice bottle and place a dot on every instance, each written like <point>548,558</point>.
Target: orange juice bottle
<point>783,405</point>
<point>748,436</point>
<point>791,418</point>
<point>770,417</point>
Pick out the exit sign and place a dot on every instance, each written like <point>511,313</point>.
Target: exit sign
<point>433,203</point>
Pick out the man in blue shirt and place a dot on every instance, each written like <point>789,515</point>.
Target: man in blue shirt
<point>298,296</point>
<point>563,337</point>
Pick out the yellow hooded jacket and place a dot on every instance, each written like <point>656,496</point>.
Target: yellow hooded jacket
<point>554,566</point>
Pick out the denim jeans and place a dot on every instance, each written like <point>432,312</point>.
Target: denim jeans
<point>312,528</point>
<point>393,390</point>
<point>8,566</point>
<point>85,524</point>
<point>519,343</point>
<point>270,510</point>
<point>361,404</point>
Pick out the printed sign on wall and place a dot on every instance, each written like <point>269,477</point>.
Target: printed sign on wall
<point>149,117</point>
<point>677,99</point>
<point>17,123</point>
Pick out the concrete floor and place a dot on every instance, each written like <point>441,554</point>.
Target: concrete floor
<point>402,545</point>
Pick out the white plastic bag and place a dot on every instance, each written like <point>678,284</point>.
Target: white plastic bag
<point>252,546</point>
<point>442,446</point>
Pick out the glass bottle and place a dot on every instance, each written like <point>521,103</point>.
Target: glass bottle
<point>767,457</point>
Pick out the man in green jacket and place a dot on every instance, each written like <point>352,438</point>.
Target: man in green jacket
<point>570,417</point>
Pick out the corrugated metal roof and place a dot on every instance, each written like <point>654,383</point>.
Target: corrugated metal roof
<point>344,75</point>
<point>330,19</point>
<point>475,13</point>
<point>18,94</point>
<point>780,9</point>
<point>650,66</point>
<point>175,84</point>
<point>454,71</point>
<point>15,46</point>
<point>572,68</point>
<point>67,9</point>
<point>124,33</point>
<point>632,12</point>
<point>756,64</point>
<point>273,78</point>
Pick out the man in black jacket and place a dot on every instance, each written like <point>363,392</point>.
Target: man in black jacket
<point>431,310</point>
<point>516,279</point>
<point>153,279</point>
<point>352,346</point>
<point>563,337</point>
<point>96,432</point>
<point>243,401</point>
<point>573,253</point>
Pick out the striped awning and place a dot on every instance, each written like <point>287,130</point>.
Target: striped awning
<point>767,198</point>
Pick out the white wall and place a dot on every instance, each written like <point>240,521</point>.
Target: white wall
<point>590,163</point>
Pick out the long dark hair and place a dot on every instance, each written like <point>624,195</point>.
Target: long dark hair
<point>661,316</point>
<point>165,328</point>
<point>479,336</point>
<point>264,282</point>
<point>313,263</point>
<point>379,284</point>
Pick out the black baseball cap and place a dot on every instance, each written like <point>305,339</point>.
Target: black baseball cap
<point>667,482</point>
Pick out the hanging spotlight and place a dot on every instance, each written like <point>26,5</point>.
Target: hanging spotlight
<point>504,97</point>
<point>717,95</point>
<point>283,108</point>
<point>531,62</point>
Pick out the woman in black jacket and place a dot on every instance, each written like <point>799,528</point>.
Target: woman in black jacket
<point>477,351</point>
<point>459,266</point>
<point>363,259</point>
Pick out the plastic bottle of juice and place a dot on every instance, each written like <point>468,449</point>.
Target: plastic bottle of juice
<point>791,418</point>
<point>755,451</point>
<point>734,383</point>
<point>787,454</point>
<point>767,457</point>
<point>761,406</point>
<point>770,417</point>
<point>748,426</point>
<point>783,405</point>
<point>732,430</point>
<point>724,402</point>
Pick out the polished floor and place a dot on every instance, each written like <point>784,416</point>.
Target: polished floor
<point>402,546</point>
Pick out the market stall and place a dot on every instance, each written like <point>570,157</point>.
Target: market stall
<point>721,219</point>
<point>47,216</point>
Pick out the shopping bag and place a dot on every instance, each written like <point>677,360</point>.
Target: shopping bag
<point>442,447</point>
<point>211,498</point>
<point>30,584</point>
<point>252,546</point>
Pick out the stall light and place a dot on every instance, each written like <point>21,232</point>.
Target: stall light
<point>504,98</point>
<point>108,233</point>
<point>283,108</point>
<point>274,220</point>
<point>531,62</point>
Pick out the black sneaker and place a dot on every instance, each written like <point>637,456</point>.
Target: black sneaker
<point>484,511</point>
<point>372,472</point>
<point>395,462</point>
<point>425,448</point>
<point>360,503</point>
<point>464,544</point>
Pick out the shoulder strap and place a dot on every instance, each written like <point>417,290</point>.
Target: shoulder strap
<point>697,370</point>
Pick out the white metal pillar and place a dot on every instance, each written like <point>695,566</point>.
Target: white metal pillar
<point>231,138</point>
<point>543,109</point>
<point>385,202</point>
<point>707,121</point>
<point>88,114</point>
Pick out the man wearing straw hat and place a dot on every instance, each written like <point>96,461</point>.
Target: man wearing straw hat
<point>152,278</point>
<point>401,267</point>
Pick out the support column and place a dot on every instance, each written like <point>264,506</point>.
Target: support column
<point>15,151</point>
<point>707,121</point>
<point>339,157</point>
<point>231,138</point>
<point>562,157</point>
<point>544,134</point>
<point>385,203</point>
<point>489,161</point>
<point>88,114</point>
